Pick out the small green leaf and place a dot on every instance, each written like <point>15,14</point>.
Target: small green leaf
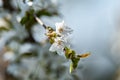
<point>24,20</point>
<point>28,20</point>
<point>25,55</point>
<point>2,28</point>
<point>74,63</point>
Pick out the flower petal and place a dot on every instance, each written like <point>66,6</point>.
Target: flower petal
<point>53,47</point>
<point>62,29</point>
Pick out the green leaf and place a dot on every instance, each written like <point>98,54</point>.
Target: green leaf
<point>45,12</point>
<point>2,28</point>
<point>25,55</point>
<point>28,18</point>
<point>24,20</point>
<point>74,63</point>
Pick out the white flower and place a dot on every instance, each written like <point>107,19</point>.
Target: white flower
<point>62,29</point>
<point>26,48</point>
<point>9,56</point>
<point>62,41</point>
<point>29,3</point>
<point>59,45</point>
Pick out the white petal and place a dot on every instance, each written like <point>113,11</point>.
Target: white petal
<point>60,24</point>
<point>53,47</point>
<point>29,3</point>
<point>58,39</point>
<point>9,56</point>
<point>27,47</point>
<point>58,48</point>
<point>66,30</point>
<point>60,52</point>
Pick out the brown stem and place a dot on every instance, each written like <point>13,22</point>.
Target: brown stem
<point>40,21</point>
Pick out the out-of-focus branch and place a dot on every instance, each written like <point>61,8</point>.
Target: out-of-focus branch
<point>8,6</point>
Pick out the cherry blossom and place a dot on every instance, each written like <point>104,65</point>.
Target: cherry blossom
<point>59,45</point>
<point>62,29</point>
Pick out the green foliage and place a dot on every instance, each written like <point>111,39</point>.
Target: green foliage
<point>3,28</point>
<point>74,63</point>
<point>28,20</point>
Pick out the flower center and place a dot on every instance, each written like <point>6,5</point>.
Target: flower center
<point>60,30</point>
<point>59,42</point>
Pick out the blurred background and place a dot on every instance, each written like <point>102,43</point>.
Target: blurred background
<point>24,49</point>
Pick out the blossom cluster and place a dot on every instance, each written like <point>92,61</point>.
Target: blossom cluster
<point>60,44</point>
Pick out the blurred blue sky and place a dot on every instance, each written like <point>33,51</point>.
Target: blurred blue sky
<point>93,22</point>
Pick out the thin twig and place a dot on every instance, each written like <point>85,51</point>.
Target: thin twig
<point>40,21</point>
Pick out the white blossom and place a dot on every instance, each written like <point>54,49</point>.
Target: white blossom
<point>61,42</point>
<point>59,45</point>
<point>26,48</point>
<point>62,29</point>
<point>29,3</point>
<point>9,56</point>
